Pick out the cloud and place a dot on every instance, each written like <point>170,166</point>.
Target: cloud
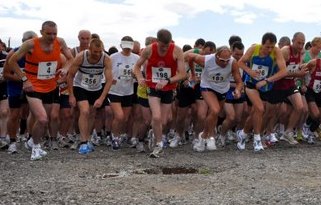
<point>112,19</point>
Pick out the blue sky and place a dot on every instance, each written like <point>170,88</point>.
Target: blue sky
<point>188,20</point>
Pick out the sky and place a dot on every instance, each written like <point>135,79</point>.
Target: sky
<point>188,20</point>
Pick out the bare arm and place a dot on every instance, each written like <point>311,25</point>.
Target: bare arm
<point>108,76</point>
<point>67,53</point>
<point>192,58</point>
<point>146,53</point>
<point>181,72</point>
<point>281,65</point>
<point>8,73</point>
<point>237,76</point>
<point>21,52</point>
<point>245,59</point>
<point>72,72</point>
<point>286,55</point>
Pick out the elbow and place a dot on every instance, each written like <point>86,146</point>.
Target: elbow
<point>6,75</point>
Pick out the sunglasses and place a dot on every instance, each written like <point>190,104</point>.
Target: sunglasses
<point>223,60</point>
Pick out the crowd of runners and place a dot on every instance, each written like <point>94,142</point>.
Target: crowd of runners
<point>158,95</point>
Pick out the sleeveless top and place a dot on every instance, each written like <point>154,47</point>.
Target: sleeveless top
<point>315,82</point>
<point>89,76</point>
<point>41,67</point>
<point>161,67</point>
<point>14,88</point>
<point>214,76</point>
<point>265,65</point>
<point>292,67</point>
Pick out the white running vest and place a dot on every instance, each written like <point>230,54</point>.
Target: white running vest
<point>214,76</point>
<point>89,76</point>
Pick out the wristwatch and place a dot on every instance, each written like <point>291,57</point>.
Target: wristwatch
<point>24,78</point>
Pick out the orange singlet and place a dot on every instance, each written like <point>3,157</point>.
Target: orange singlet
<point>41,67</point>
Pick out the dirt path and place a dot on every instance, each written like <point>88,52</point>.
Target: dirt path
<point>283,175</point>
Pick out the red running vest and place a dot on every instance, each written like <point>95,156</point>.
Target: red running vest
<point>161,67</point>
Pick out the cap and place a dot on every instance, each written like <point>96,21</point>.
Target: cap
<point>127,44</point>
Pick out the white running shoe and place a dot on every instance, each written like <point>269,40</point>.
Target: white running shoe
<point>37,153</point>
<point>175,141</point>
<point>3,143</point>
<point>210,144</point>
<point>156,152</point>
<point>241,140</point>
<point>273,138</point>
<point>12,148</point>
<point>133,142</point>
<point>29,144</point>
<point>222,140</point>
<point>151,139</point>
<point>231,136</point>
<point>171,134</point>
<point>140,147</point>
<point>199,145</point>
<point>257,144</point>
<point>54,145</point>
<point>289,137</point>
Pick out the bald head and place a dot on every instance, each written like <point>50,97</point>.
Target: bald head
<point>84,37</point>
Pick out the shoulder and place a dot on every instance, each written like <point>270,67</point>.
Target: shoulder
<point>62,42</point>
<point>146,53</point>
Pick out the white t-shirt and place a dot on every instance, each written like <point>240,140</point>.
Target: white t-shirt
<point>122,68</point>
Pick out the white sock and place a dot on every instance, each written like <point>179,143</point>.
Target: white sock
<point>257,137</point>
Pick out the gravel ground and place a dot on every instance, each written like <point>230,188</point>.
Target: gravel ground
<point>280,175</point>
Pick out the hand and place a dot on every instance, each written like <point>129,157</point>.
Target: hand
<point>27,86</point>
<point>61,72</point>
<point>186,83</point>
<point>141,81</point>
<point>98,103</point>
<point>261,84</point>
<point>236,94</point>
<point>161,84</point>
<point>303,89</point>
<point>255,74</point>
<point>303,70</point>
<point>72,100</point>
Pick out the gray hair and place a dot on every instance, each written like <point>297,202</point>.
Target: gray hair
<point>28,35</point>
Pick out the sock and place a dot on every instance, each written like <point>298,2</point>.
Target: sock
<point>281,128</point>
<point>257,137</point>
<point>23,126</point>
<point>242,133</point>
<point>84,142</point>
<point>314,125</point>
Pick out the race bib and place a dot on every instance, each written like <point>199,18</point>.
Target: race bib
<point>317,86</point>
<point>159,73</point>
<point>90,81</point>
<point>263,71</point>
<point>125,73</point>
<point>47,70</point>
<point>198,71</point>
<point>217,78</point>
<point>292,68</point>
